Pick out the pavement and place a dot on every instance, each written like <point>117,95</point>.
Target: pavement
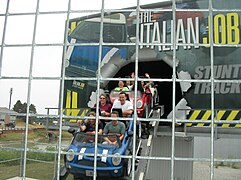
<point>201,171</point>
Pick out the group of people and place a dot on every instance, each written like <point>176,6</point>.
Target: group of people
<point>108,110</point>
<point>143,86</point>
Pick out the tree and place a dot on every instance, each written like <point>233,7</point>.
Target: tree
<point>25,107</point>
<point>32,109</point>
<point>22,108</point>
<point>18,107</point>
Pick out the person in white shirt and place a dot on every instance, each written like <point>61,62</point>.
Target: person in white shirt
<point>124,104</point>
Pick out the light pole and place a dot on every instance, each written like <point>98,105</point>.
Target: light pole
<point>10,97</point>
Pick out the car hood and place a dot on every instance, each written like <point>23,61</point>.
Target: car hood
<point>102,150</point>
<point>90,149</point>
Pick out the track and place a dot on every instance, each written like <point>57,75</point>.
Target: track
<point>146,145</point>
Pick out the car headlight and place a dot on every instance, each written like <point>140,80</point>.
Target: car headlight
<point>70,156</point>
<point>116,160</point>
<point>139,104</point>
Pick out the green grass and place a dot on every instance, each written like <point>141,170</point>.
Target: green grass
<point>6,155</point>
<point>34,169</point>
<point>42,171</point>
<point>37,170</point>
<point>36,135</point>
<point>15,136</point>
<point>33,138</point>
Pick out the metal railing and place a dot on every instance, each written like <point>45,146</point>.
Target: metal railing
<point>30,78</point>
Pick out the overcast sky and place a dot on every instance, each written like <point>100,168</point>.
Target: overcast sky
<point>47,59</point>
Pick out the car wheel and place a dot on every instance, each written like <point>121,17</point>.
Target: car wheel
<point>128,167</point>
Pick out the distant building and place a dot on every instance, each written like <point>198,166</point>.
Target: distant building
<point>7,116</point>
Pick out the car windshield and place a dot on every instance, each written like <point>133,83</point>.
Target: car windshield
<point>83,139</point>
<point>90,31</point>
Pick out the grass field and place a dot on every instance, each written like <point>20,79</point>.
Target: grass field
<point>42,171</point>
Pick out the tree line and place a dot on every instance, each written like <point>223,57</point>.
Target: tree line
<point>22,107</point>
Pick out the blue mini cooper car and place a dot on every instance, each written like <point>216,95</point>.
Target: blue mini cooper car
<point>80,158</point>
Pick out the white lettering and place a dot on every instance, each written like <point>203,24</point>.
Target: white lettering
<point>156,36</point>
<point>180,35</point>
<point>219,72</point>
<point>150,32</point>
<point>191,31</point>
